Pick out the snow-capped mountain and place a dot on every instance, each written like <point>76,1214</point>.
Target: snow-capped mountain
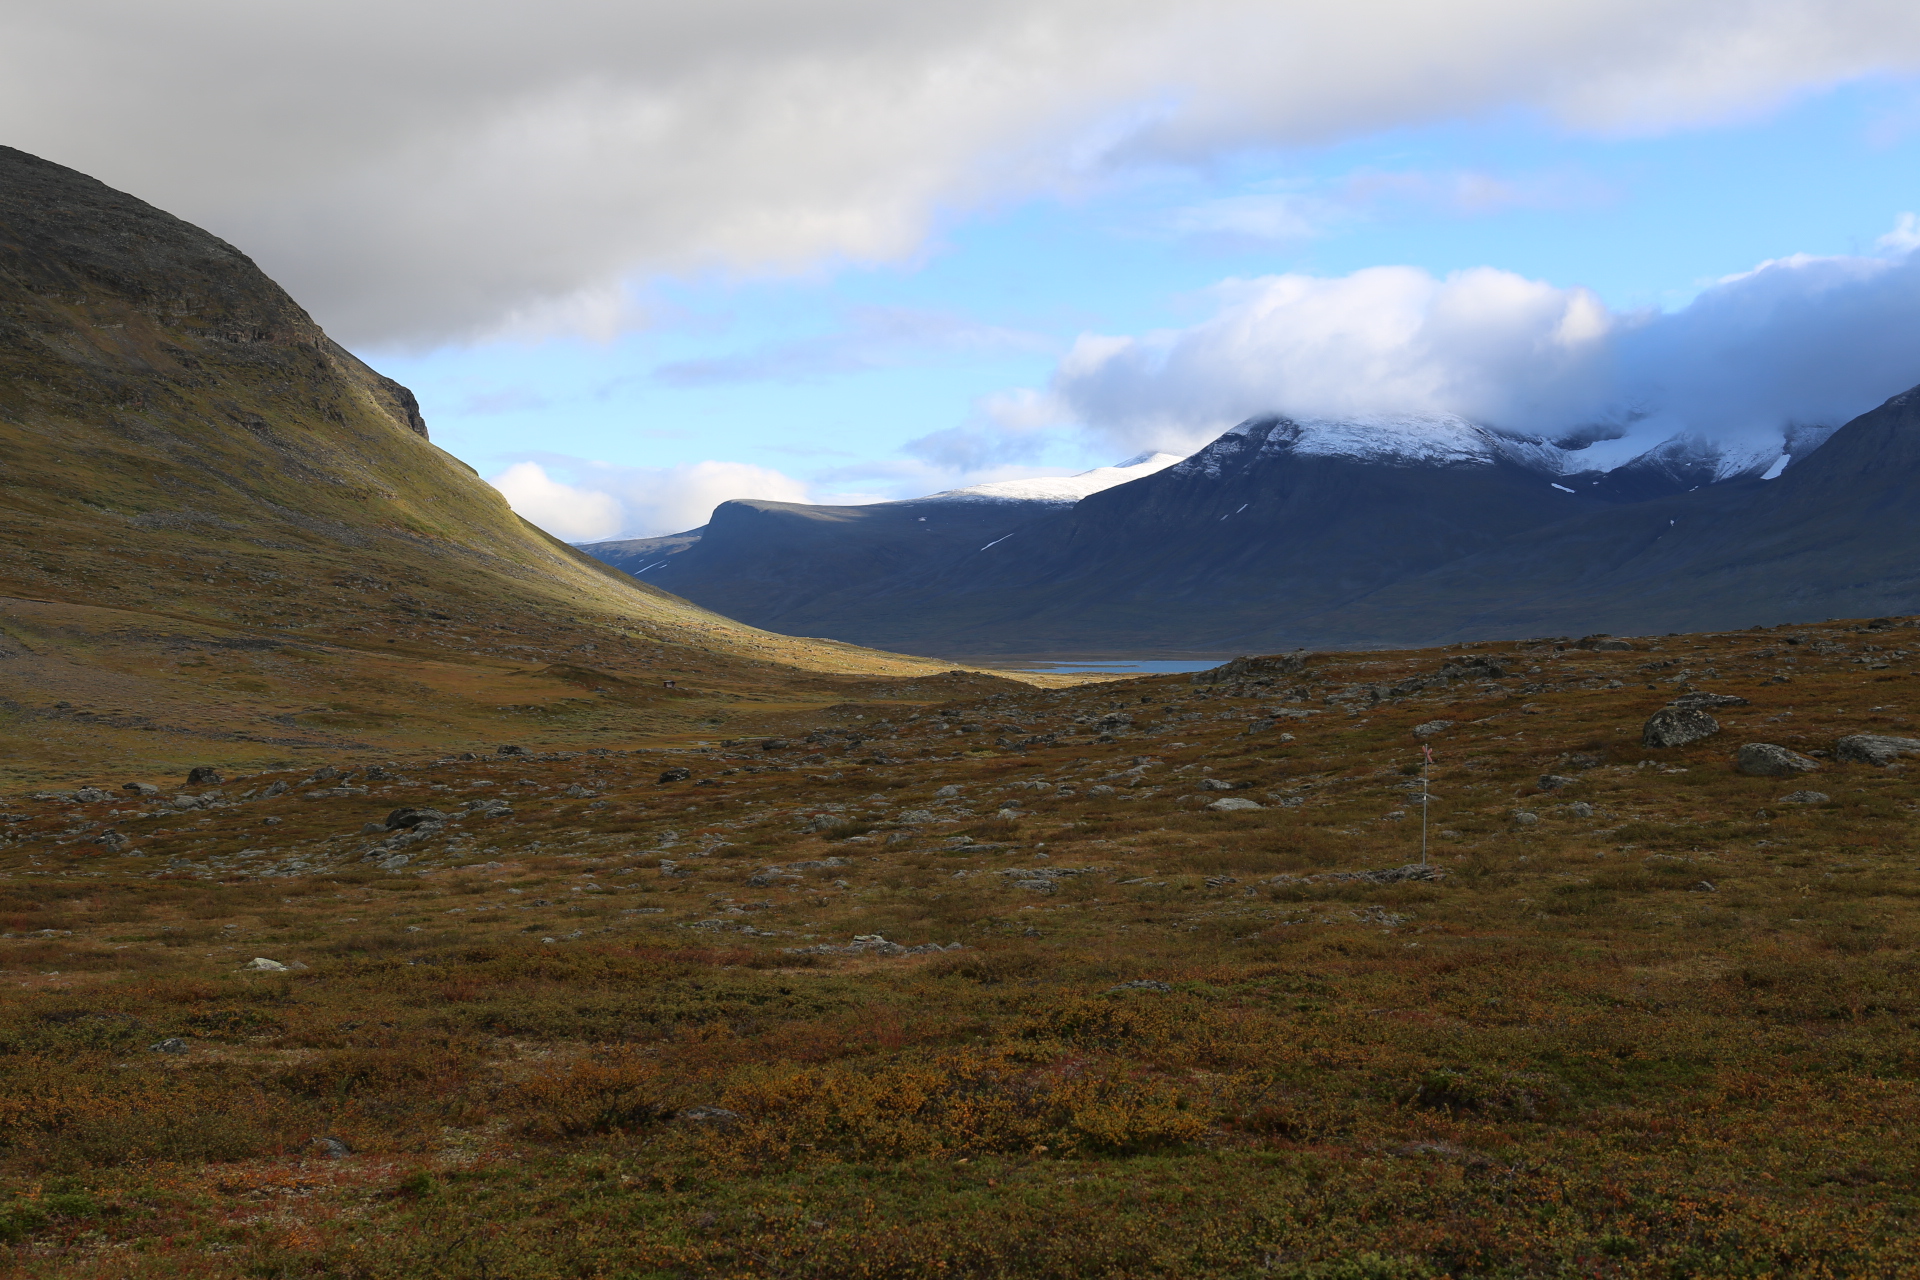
<point>1287,531</point>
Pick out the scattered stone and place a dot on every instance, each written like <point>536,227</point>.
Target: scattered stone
<point>277,789</point>
<point>185,801</point>
<point>172,1044</point>
<point>1581,761</point>
<point>331,1148</point>
<point>373,829</point>
<point>1578,809</point>
<point>260,964</point>
<point>1554,781</point>
<point>1706,886</point>
<point>1216,784</point>
<point>1765,760</point>
<point>946,792</point>
<point>141,788</point>
<point>407,819</point>
<point>1874,748</point>
<point>1221,882</point>
<point>1524,819</point>
<point>204,776</point>
<point>91,795</point>
<point>1431,727</point>
<point>678,773</point>
<point>1234,804</point>
<point>1805,797</point>
<point>775,744</point>
<point>872,944</point>
<point>578,792</point>
<point>1695,701</point>
<point>1677,726</point>
<point>113,841</point>
<point>719,1117</point>
<point>1101,790</point>
<point>1139,984</point>
<point>510,751</point>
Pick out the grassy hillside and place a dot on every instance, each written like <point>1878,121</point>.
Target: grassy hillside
<point>1644,1016</point>
<point>228,540</point>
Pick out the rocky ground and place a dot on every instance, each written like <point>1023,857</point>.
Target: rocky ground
<point>1140,978</point>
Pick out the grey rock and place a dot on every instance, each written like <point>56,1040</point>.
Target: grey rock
<point>1696,701</point>
<point>331,1148</point>
<point>141,788</point>
<point>1102,790</point>
<point>1874,748</point>
<point>1706,886</point>
<point>277,789</point>
<point>113,841</point>
<point>1805,797</point>
<point>679,773</point>
<point>1431,727</point>
<point>184,801</point>
<point>1580,809</point>
<point>1234,804</point>
<point>1677,726</point>
<point>510,751</point>
<point>947,792</point>
<point>1215,784</point>
<point>260,964</point>
<point>90,795</point>
<point>1765,760</point>
<point>407,819</point>
<point>1525,819</point>
<point>719,1117</point>
<point>172,1044</point>
<point>204,776</point>
<point>917,815</point>
<point>1554,781</point>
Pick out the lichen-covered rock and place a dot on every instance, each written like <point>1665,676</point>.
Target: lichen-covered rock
<point>1765,760</point>
<point>1677,726</point>
<point>1874,748</point>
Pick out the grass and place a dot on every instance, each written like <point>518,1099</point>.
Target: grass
<point>630,1032</point>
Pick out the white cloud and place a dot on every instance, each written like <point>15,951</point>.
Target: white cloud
<point>1905,236</point>
<point>1799,340</point>
<point>606,501</point>
<point>566,511</point>
<point>415,170</point>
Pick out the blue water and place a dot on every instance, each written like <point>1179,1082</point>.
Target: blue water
<point>1150,668</point>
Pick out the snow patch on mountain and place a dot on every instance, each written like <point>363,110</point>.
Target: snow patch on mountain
<point>1403,440</point>
<point>1065,489</point>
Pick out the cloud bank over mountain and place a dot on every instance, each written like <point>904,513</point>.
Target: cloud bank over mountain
<point>421,171</point>
<point>1797,341</point>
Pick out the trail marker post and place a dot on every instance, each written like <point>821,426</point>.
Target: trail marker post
<point>1426,762</point>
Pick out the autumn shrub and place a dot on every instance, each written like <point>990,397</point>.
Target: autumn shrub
<point>604,1096</point>
<point>80,1110</point>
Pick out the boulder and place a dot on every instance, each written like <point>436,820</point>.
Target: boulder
<point>204,775</point>
<point>260,964</point>
<point>1234,804</point>
<point>141,788</point>
<point>1696,701</point>
<point>1525,819</point>
<point>510,751</point>
<point>90,795</point>
<point>1765,760</point>
<point>1806,797</point>
<point>1555,781</point>
<point>1677,726</point>
<point>408,819</point>
<point>1874,748</point>
<point>1216,784</point>
<point>1431,727</point>
<point>676,774</point>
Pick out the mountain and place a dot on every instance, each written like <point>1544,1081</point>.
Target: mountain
<point>1837,534</point>
<point>1305,532</point>
<point>767,562</point>
<point>224,533</point>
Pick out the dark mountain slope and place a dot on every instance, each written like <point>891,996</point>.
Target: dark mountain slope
<point>1836,535</point>
<point>1226,551</point>
<point>769,562</point>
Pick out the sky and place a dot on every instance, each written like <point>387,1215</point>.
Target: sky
<point>639,259</point>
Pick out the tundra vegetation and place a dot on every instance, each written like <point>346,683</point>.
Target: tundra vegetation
<point>1141,978</point>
